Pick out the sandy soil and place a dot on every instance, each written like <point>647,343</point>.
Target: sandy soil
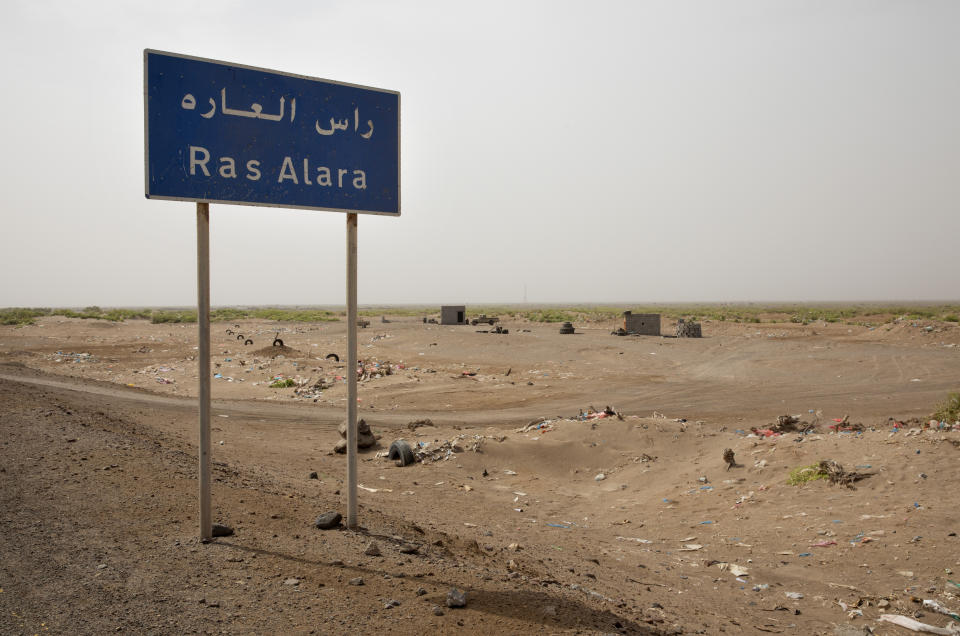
<point>99,490</point>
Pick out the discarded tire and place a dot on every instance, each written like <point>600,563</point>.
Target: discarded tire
<point>240,336</point>
<point>401,452</point>
<point>333,356</point>
<point>277,342</point>
<point>229,332</point>
<point>567,328</point>
<point>248,341</point>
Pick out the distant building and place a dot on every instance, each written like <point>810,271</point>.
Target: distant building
<point>641,324</point>
<point>453,315</point>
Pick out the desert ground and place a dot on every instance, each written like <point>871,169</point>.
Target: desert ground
<point>551,518</point>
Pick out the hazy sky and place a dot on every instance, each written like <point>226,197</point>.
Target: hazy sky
<point>606,151</point>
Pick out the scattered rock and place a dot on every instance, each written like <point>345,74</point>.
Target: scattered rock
<point>456,598</point>
<point>600,477</point>
<point>328,520</point>
<point>365,437</point>
<point>414,425</point>
<point>421,591</point>
<point>356,581</point>
<point>373,549</point>
<point>729,458</point>
<point>437,610</point>
<point>292,581</point>
<point>314,475</point>
<point>409,548</point>
<point>221,530</point>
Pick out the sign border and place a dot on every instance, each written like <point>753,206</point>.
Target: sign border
<point>146,136</point>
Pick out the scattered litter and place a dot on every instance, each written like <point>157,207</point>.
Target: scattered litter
<point>794,595</point>
<point>594,414</point>
<point>362,487</point>
<point>634,539</point>
<point>917,626</point>
<point>448,449</point>
<point>937,607</point>
<point>734,569</point>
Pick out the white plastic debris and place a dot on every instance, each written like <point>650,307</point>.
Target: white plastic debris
<point>916,626</point>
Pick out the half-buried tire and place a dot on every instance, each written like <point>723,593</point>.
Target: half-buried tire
<point>401,452</point>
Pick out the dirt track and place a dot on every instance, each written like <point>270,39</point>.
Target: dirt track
<point>99,487</point>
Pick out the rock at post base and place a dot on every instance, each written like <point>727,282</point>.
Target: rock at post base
<point>328,520</point>
<point>221,530</point>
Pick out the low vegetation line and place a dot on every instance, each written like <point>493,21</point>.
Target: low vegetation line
<point>867,314</point>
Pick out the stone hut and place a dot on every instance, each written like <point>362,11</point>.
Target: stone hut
<point>641,324</point>
<point>453,315</point>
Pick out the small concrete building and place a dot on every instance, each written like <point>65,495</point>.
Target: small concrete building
<point>641,324</point>
<point>453,315</point>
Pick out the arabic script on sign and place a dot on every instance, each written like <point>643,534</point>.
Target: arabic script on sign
<point>189,102</point>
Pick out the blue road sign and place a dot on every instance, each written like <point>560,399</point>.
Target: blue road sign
<point>225,133</point>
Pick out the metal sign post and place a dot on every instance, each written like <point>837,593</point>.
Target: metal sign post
<point>203,362</point>
<point>216,132</point>
<point>352,371</point>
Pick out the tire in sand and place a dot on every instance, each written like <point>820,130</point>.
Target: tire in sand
<point>333,356</point>
<point>401,452</point>
<point>248,341</point>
